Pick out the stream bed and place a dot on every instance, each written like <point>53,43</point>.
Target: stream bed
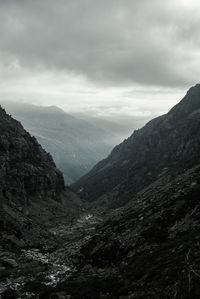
<point>40,267</point>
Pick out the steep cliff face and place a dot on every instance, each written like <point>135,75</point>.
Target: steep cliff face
<point>165,147</point>
<point>32,192</point>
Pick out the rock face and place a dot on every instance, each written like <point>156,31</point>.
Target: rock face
<point>32,192</point>
<point>164,147</point>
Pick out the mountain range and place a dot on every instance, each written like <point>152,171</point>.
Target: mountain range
<point>135,233</point>
<point>75,144</point>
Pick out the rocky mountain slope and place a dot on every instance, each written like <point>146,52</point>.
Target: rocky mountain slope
<point>164,147</point>
<point>75,144</point>
<point>149,247</point>
<point>32,192</point>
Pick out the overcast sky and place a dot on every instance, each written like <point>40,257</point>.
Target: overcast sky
<point>135,57</point>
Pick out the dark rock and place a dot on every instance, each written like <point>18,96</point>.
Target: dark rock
<point>10,294</point>
<point>2,271</point>
<point>8,262</point>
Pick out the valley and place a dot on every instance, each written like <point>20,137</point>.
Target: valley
<point>70,139</point>
<point>129,228</point>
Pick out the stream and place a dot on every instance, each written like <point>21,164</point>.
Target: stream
<point>49,269</point>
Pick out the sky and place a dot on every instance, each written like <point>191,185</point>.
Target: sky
<point>108,57</point>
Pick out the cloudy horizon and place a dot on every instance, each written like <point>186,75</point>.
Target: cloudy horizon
<point>135,58</point>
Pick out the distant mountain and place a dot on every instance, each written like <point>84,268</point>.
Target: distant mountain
<point>120,127</point>
<point>163,148</point>
<point>75,144</point>
<point>32,192</point>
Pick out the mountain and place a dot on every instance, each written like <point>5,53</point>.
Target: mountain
<point>32,192</point>
<point>149,245</point>
<point>164,148</point>
<point>75,144</point>
<point>120,127</point>
<point>146,244</point>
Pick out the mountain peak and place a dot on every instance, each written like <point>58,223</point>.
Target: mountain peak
<point>194,89</point>
<point>189,104</point>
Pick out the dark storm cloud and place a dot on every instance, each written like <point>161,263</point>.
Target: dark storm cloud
<point>112,42</point>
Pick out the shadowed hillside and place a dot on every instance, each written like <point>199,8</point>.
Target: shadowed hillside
<point>164,147</point>
<point>32,191</point>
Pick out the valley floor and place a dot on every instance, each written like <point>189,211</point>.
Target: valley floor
<point>30,273</point>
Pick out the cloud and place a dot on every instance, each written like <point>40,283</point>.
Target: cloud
<point>111,43</point>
